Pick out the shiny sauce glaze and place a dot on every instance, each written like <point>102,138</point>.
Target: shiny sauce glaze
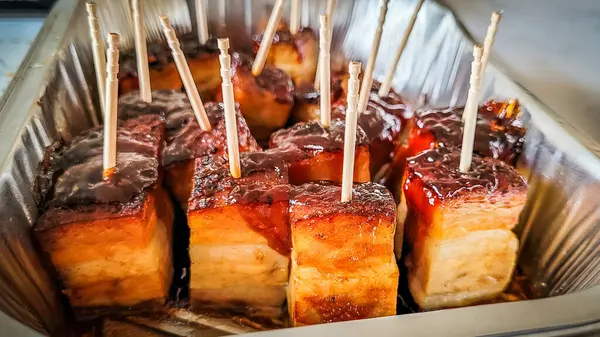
<point>271,79</point>
<point>313,137</point>
<point>433,176</point>
<point>184,138</point>
<point>494,137</point>
<point>323,199</point>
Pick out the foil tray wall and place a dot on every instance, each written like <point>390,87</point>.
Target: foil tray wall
<point>54,96</point>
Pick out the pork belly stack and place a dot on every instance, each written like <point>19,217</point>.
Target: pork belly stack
<point>458,230</point>
<point>265,100</point>
<point>343,265</point>
<point>296,54</point>
<point>202,59</point>
<point>383,133</point>
<point>307,99</point>
<point>239,233</point>
<point>185,140</point>
<point>325,147</point>
<point>108,239</point>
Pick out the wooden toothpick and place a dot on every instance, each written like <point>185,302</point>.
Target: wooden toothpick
<point>201,21</point>
<point>367,80</point>
<point>350,134</point>
<point>98,52</point>
<point>386,86</point>
<point>229,108</point>
<point>267,40</point>
<point>488,42</point>
<point>325,88</point>
<point>141,52</point>
<point>186,75</point>
<point>109,156</point>
<point>295,17</point>
<point>470,113</point>
<point>329,12</point>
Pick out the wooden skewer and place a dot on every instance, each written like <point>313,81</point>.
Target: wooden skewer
<point>350,134</point>
<point>186,75</point>
<point>141,52</point>
<point>98,53</point>
<point>201,21</point>
<point>329,11</point>
<point>109,155</point>
<point>325,56</point>
<point>265,44</point>
<point>488,42</point>
<point>367,80</point>
<point>229,106</point>
<point>470,113</point>
<point>295,16</point>
<point>384,90</point>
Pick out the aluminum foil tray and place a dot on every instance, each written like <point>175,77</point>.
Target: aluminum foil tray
<point>54,95</point>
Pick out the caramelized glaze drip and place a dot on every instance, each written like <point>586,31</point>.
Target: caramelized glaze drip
<point>271,79</point>
<point>494,137</point>
<point>159,54</point>
<point>311,136</point>
<point>438,171</point>
<point>323,198</point>
<point>85,184</point>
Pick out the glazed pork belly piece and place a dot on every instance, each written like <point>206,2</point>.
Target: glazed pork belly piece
<point>109,240</point>
<point>307,99</point>
<point>497,135</point>
<point>296,54</point>
<point>459,227</point>
<point>265,100</point>
<point>239,234</point>
<point>325,149</point>
<point>343,265</point>
<point>203,61</point>
<point>383,133</point>
<point>185,140</point>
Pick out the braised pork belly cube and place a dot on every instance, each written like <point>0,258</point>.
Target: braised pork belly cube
<point>307,99</point>
<point>239,233</point>
<point>459,227</point>
<point>325,147</point>
<point>109,240</point>
<point>383,133</point>
<point>185,140</point>
<point>265,100</point>
<point>295,54</point>
<point>203,61</point>
<point>343,265</point>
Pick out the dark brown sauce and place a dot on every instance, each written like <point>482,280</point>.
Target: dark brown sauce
<point>494,137</point>
<point>375,121</point>
<point>311,136</point>
<point>438,169</point>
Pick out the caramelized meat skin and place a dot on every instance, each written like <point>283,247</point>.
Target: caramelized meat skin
<point>202,59</point>
<point>343,265</point>
<point>325,149</point>
<point>458,228</point>
<point>382,130</point>
<point>105,235</point>
<point>239,242</point>
<point>185,140</point>
<point>266,100</point>
<point>296,54</point>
